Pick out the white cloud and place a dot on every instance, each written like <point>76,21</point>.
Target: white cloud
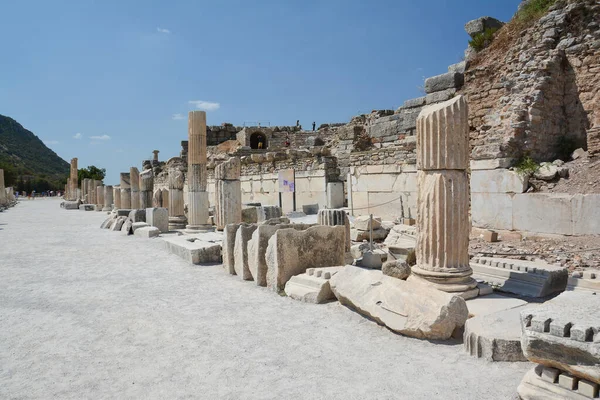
<point>103,137</point>
<point>51,141</point>
<point>205,105</point>
<point>178,117</point>
<point>78,136</point>
<point>163,30</point>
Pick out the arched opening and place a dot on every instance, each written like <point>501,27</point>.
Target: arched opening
<point>258,140</point>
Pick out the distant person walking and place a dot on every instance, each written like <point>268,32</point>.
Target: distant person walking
<point>297,123</point>
<point>314,126</point>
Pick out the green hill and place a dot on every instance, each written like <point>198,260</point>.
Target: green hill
<point>27,162</point>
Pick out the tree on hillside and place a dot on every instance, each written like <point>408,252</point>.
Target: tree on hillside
<point>91,172</point>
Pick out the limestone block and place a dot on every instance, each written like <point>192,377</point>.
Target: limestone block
<point>359,236</point>
<point>440,96</point>
<point>228,207</point>
<point>229,233</point>
<point>458,67</point>
<point>126,228</point>
<point>193,250</point>
<point>333,217</point>
<point>147,232</point>
<point>87,207</point>
<point>268,212</point>
<point>593,140</point>
<point>561,333</point>
<point>363,223</point>
<point>118,224</point>
<point>495,336</point>
<point>310,209</point>
<point>498,181</point>
<point>138,225</point>
<point>159,218</point>
<point>138,215</point>
<point>586,220</point>
<point>108,222</point>
<point>534,386</point>
<point>525,278</point>
<point>242,237</point>
<point>412,309</point>
<point>412,103</point>
<point>372,259</point>
<point>70,205</point>
<point>165,198</point>
<point>480,25</point>
<point>312,286</point>
<point>547,172</point>
<point>494,163</point>
<point>588,281</point>
<point>543,212</point>
<point>449,80</point>
<point>492,210</point>
<point>290,252</point>
<point>443,136</point>
<point>396,269</point>
<point>228,170</point>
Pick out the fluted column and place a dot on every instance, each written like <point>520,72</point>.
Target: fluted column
<point>228,190</point>
<point>443,225</point>
<point>197,176</point>
<point>177,219</point>
<point>125,190</point>
<point>146,187</point>
<point>134,175</point>
<point>117,197</point>
<point>108,198</point>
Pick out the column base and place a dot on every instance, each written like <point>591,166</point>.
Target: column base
<point>177,222</point>
<point>459,282</point>
<point>107,209</point>
<point>199,228</point>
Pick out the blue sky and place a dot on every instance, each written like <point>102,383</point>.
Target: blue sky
<point>110,81</point>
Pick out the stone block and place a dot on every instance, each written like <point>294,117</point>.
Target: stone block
<point>525,278</point>
<point>118,224</point>
<point>396,269</point>
<point>495,336</point>
<point>492,210</point>
<point>363,223</point>
<point>70,205</point>
<point>240,251</point>
<point>498,181</point>
<point>412,103</point>
<point>310,209</point>
<point>586,220</point>
<point>147,232</point>
<point>588,281</point>
<point>312,286</point>
<point>449,80</point>
<point>534,387</point>
<point>87,207</point>
<point>567,381</point>
<point>458,67</point>
<point>494,163</point>
<point>138,215</point>
<point>158,217</point>
<point>335,195</point>
<point>412,309</point>
<point>268,212</point>
<point>440,96</point>
<point>562,333</point>
<point>250,215</point>
<point>593,140</point>
<point>543,213</point>
<point>372,259</point>
<point>480,25</point>
<point>359,236</point>
<point>126,229</point>
<point>290,252</point>
<point>137,225</point>
<point>229,233</point>
<point>490,236</point>
<point>193,250</point>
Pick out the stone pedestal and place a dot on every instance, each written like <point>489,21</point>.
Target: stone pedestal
<point>177,219</point>
<point>146,187</point>
<point>197,176</point>
<point>228,191</point>
<point>117,197</point>
<point>134,175</point>
<point>125,190</point>
<point>443,198</point>
<point>108,198</point>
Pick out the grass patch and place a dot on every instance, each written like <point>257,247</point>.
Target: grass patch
<point>532,11</point>
<point>527,166</point>
<point>483,39</point>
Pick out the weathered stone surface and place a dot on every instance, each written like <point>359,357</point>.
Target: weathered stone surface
<point>137,215</point>
<point>335,195</point>
<point>312,286</point>
<point>440,96</point>
<point>449,80</point>
<point>118,224</point>
<point>411,309</point>
<point>333,217</point>
<point>108,198</point>
<point>561,333</point>
<point>257,214</point>
<point>229,233</point>
<point>87,207</point>
<point>70,205</point>
<point>372,259</point>
<point>525,278</point>
<point>126,228</point>
<point>495,336</point>
<point>228,194</point>
<point>290,252</point>
<point>536,385</point>
<point>193,250</point>
<point>310,209</point>
<point>108,221</point>
<point>242,237</point>
<point>197,175</point>
<point>417,102</point>
<point>157,199</point>
<point>147,232</point>
<point>593,141</point>
<point>159,218</point>
<point>229,170</point>
<point>363,223</point>
<point>547,172</point>
<point>588,281</point>
<point>458,67</point>
<point>134,175</point>
<point>396,269</point>
<point>498,181</point>
<point>480,25</point>
<point>359,236</point>
<point>146,187</point>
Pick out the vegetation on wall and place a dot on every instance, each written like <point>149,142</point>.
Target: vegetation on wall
<point>526,166</point>
<point>483,40</point>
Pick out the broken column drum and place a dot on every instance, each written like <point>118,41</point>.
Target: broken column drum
<point>334,217</point>
<point>443,197</point>
<point>146,187</point>
<point>228,193</point>
<point>155,157</point>
<point>197,175</point>
<point>134,175</point>
<point>177,218</point>
<point>125,191</point>
<point>108,198</point>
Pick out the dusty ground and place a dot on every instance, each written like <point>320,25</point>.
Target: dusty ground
<point>584,178</point>
<point>87,313</point>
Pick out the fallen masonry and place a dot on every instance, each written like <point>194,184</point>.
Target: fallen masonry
<point>312,286</point>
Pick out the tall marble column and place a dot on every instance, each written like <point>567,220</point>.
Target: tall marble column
<point>108,198</point>
<point>197,176</point>
<point>72,184</point>
<point>146,187</point>
<point>443,225</point>
<point>85,185</point>
<point>99,197</point>
<point>117,196</point>
<point>228,190</point>
<point>177,217</point>
<point>3,196</point>
<point>125,190</point>
<point>134,174</point>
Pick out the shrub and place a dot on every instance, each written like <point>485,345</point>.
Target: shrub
<point>483,39</point>
<point>527,166</point>
<point>533,10</point>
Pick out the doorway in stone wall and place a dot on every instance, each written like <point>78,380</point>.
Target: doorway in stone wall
<point>258,140</point>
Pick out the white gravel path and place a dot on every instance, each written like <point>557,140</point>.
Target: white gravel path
<point>88,313</point>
